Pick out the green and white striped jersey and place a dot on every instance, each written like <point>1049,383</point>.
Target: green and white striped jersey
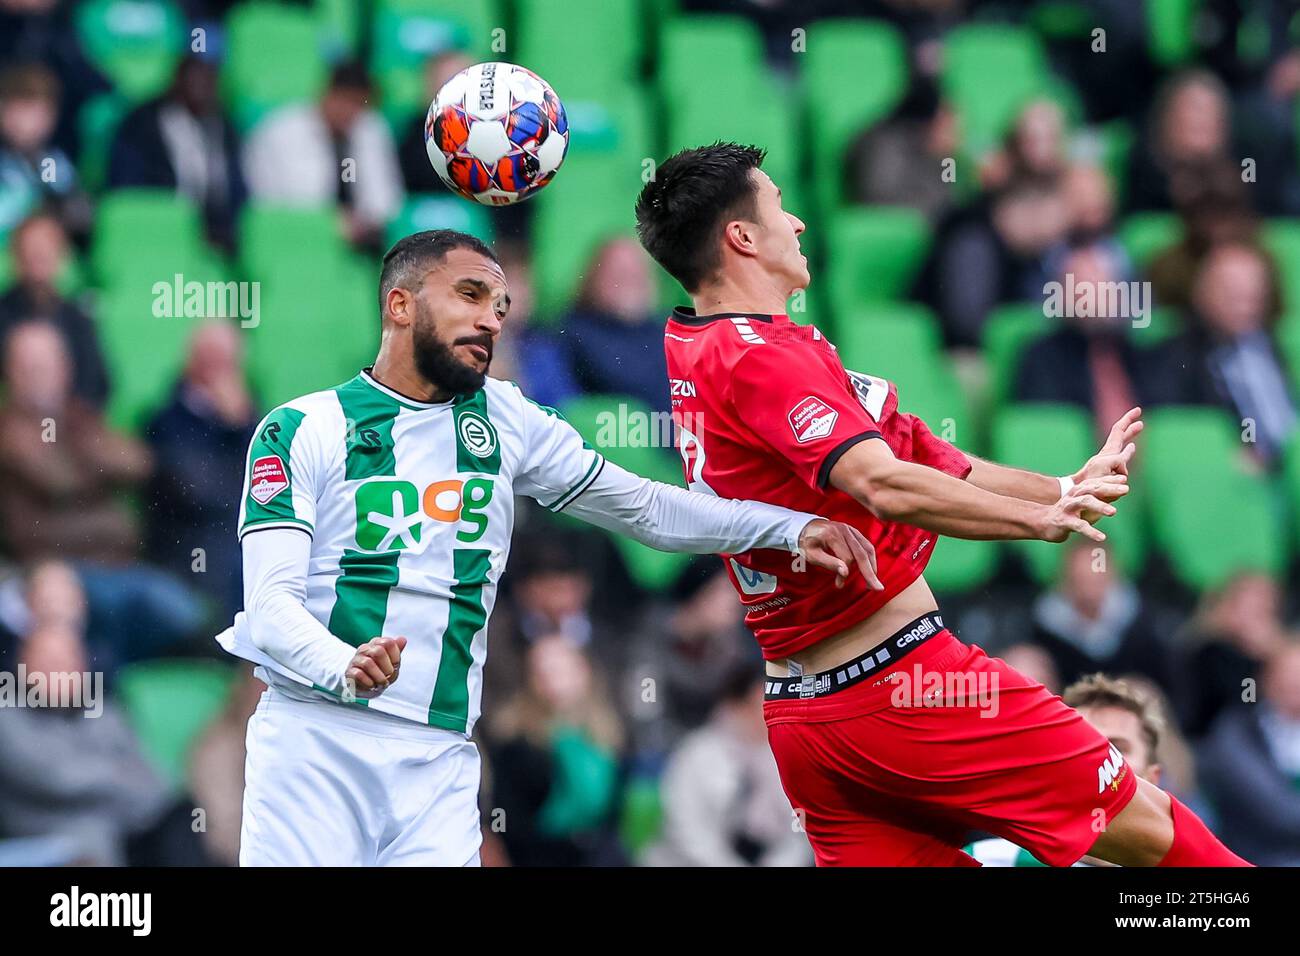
<point>410,506</point>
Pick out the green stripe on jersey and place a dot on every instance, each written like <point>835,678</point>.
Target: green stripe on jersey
<point>361,601</point>
<point>274,440</point>
<point>369,415</point>
<point>478,447</point>
<point>466,616</point>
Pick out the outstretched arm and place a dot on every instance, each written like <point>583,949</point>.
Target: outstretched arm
<point>919,495</point>
<point>1113,459</point>
<point>674,519</point>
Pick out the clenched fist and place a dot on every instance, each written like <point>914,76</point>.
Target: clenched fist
<point>375,667</point>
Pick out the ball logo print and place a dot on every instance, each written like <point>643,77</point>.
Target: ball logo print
<point>496,133</point>
<point>476,434</point>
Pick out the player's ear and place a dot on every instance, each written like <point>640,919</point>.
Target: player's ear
<point>739,235</point>
<point>398,306</point>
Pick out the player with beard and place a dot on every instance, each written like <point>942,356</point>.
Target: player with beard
<point>893,738</point>
<point>375,523</point>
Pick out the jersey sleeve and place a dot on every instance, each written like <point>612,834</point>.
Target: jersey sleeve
<point>558,465</point>
<point>929,449</point>
<point>281,474</point>
<point>801,408</point>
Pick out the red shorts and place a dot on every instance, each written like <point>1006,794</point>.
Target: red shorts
<point>898,770</point>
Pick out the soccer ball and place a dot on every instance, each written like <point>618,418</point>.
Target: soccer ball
<point>496,133</point>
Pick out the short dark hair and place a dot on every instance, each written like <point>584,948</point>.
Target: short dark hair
<point>681,211</point>
<point>1099,690</point>
<point>351,75</point>
<point>422,249</point>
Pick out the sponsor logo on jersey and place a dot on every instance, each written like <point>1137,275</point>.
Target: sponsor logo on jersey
<point>680,387</point>
<point>1111,771</point>
<point>391,513</point>
<point>268,479</point>
<point>477,434</point>
<point>751,581</point>
<point>812,419</point>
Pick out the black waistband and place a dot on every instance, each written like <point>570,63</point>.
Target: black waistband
<point>908,639</point>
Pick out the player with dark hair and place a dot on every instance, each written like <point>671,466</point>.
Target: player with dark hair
<point>375,522</point>
<point>881,772</point>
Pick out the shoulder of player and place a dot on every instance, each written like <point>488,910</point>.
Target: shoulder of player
<point>316,415</point>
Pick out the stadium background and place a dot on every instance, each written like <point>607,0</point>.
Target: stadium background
<point>949,157</point>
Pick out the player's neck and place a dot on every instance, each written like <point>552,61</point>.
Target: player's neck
<point>402,378</point>
<point>730,296</point>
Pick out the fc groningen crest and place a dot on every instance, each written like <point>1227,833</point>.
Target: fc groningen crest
<point>476,433</point>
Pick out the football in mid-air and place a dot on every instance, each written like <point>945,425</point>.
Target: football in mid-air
<point>496,133</point>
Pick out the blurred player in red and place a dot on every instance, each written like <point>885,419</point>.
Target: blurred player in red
<point>893,738</point>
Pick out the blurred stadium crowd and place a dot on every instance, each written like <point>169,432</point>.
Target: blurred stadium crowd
<point>951,158</point>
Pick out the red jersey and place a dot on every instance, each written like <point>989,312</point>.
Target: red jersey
<point>764,409</point>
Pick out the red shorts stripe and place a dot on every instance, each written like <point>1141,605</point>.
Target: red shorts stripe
<point>898,771</point>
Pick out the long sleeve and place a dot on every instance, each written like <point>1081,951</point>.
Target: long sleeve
<point>275,592</point>
<point>674,519</point>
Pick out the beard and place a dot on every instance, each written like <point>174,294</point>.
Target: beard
<point>438,364</point>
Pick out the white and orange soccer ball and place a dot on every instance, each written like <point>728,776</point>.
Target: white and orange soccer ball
<point>496,133</point>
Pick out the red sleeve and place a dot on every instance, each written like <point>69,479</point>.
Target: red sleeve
<point>929,449</point>
<point>799,406</point>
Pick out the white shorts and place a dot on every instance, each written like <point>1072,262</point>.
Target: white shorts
<point>329,784</point>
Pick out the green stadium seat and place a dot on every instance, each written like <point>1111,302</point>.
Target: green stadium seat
<point>878,252</point>
<point>1145,234</point>
<point>275,58</point>
<point>136,43</point>
<point>1288,340</point>
<point>1291,484</point>
<point>273,236</point>
<point>854,73</point>
<point>97,124</point>
<point>959,566</point>
<point>169,704</point>
<point>341,23</point>
<point>1171,38</point>
<point>594,416</point>
<point>149,232</point>
<point>900,342</point>
<point>318,328</point>
<point>1282,239</point>
<point>990,72</point>
<point>582,50</point>
<point>641,817</point>
<point>1008,331</point>
<point>1197,487</point>
<point>407,33</point>
<point>719,56</point>
<point>440,211</point>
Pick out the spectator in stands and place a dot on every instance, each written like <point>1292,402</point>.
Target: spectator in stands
<point>62,466</point>
<point>199,441</point>
<point>33,170</point>
<point>61,473</point>
<point>1034,148</point>
<point>1227,357</point>
<point>990,252</point>
<point>1236,628</point>
<point>183,141</point>
<point>1089,360</point>
<point>1094,620</point>
<point>1188,137</point>
<point>555,753</point>
<point>723,804</point>
<point>1214,211</point>
<point>39,249</point>
<point>84,780</point>
<point>534,357</point>
<point>1251,766</point>
<point>216,771</point>
<point>338,150</point>
<point>614,335</point>
<point>898,161</point>
<point>1035,663</point>
<point>1090,203</point>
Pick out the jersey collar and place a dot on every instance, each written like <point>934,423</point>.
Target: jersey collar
<point>366,375</point>
<point>687,316</point>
